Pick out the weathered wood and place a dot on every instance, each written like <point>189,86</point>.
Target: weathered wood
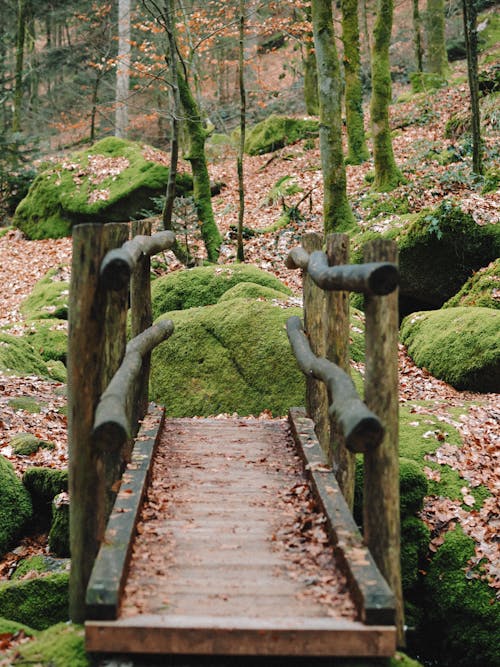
<point>361,428</point>
<point>118,265</point>
<point>110,568</point>
<point>337,351</point>
<point>374,599</point>
<point>314,310</point>
<point>369,278</point>
<point>141,317</point>
<point>86,378</point>
<point>381,466</point>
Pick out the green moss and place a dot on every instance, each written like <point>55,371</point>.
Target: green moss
<point>49,338</point>
<point>385,204</point>
<point>17,357</point>
<point>26,403</point>
<point>39,602</point>
<point>412,486</point>
<point>491,179</point>
<point>457,345</point>
<point>402,660</point>
<point>248,290</point>
<point>62,645</point>
<point>57,371</point>
<point>415,538</point>
<point>277,131</point>
<point>59,530</point>
<point>65,194</point>
<point>490,36</point>
<point>15,506</point>
<point>45,482</point>
<point>423,82</point>
<point>461,624</point>
<point>48,298</point>
<point>41,565</point>
<point>482,289</point>
<point>11,627</point>
<point>227,358</point>
<point>24,444</point>
<point>205,285</point>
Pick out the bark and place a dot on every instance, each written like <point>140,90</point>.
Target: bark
<point>337,214</point>
<point>417,36</point>
<point>357,149</point>
<point>123,69</point>
<point>387,174</point>
<point>19,71</point>
<point>437,60</point>
<point>241,148</point>
<point>311,95</point>
<point>470,30</point>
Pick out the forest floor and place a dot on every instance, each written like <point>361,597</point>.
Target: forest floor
<point>420,123</point>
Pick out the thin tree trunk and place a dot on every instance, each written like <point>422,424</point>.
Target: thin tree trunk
<point>311,94</point>
<point>470,30</point>
<point>123,69</point>
<point>417,36</point>
<point>337,214</point>
<point>241,147</point>
<point>356,142</point>
<point>437,60</point>
<point>19,71</point>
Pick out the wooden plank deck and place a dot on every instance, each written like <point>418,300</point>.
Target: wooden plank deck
<point>231,555</point>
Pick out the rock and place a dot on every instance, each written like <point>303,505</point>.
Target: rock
<point>252,291</point>
<point>61,645</point>
<point>17,357</point>
<point>482,289</point>
<point>277,131</point>
<point>48,298</point>
<point>458,345</point>
<point>43,485</point>
<point>59,531</point>
<point>38,602</point>
<point>112,181</point>
<point>40,564</point>
<point>24,444</point>
<point>15,506</point>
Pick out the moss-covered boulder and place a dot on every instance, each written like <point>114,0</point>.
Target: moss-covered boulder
<point>61,645</point>
<point>229,357</point>
<point>205,285</point>
<point>112,181</point>
<point>15,506</point>
<point>59,530</point>
<point>277,131</point>
<point>43,485</point>
<point>48,298</point>
<point>482,289</point>
<point>461,624</point>
<point>25,444</point>
<point>49,338</point>
<point>458,345</point>
<point>40,564</point>
<point>37,602</point>
<point>17,357</point>
<point>252,291</point>
<point>26,403</point>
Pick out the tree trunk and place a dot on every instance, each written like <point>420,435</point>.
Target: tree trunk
<point>356,142</point>
<point>470,30</point>
<point>201,181</point>
<point>19,72</point>
<point>437,60</point>
<point>311,95</point>
<point>387,174</point>
<point>241,147</point>
<point>123,69</point>
<point>417,36</point>
<point>337,214</point>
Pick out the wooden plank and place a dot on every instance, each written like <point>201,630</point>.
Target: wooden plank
<point>108,575</point>
<point>376,604</point>
<point>240,636</point>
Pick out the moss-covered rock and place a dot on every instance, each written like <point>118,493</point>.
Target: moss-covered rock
<point>114,180</point>
<point>48,298</point>
<point>15,506</point>
<point>11,627</point>
<point>43,485</point>
<point>461,624</point>
<point>49,338</point>
<point>415,538</point>
<point>59,530</point>
<point>57,371</point>
<point>24,444</point>
<point>482,289</point>
<point>229,357</point>
<point>62,645</point>
<point>26,403</point>
<point>458,345</point>
<point>425,82</point>
<point>247,290</point>
<point>17,357</point>
<point>412,486</point>
<point>205,285</point>
<point>40,564</point>
<point>277,131</point>
<point>38,602</point>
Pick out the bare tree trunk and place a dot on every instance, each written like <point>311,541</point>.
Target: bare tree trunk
<point>123,69</point>
<point>417,36</point>
<point>19,71</point>
<point>241,147</point>
<point>470,30</point>
<point>437,60</point>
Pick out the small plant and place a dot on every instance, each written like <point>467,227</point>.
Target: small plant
<point>284,187</point>
<point>185,222</point>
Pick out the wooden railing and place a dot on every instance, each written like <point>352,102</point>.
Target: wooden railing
<point>345,424</point>
<point>107,378</point>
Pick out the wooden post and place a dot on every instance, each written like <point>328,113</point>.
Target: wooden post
<point>337,351</point>
<point>314,299</point>
<point>142,318</point>
<point>88,354</point>
<point>381,466</point>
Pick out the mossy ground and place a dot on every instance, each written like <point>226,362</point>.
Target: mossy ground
<point>61,645</point>
<point>67,192</point>
<point>47,299</point>
<point>482,289</point>
<point>248,290</point>
<point>26,403</point>
<point>39,602</point>
<point>458,345</point>
<point>17,357</point>
<point>24,444</point>
<point>15,506</point>
<point>277,131</point>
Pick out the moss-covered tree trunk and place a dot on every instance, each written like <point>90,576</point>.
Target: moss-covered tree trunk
<point>387,174</point>
<point>357,150</point>
<point>469,8</point>
<point>22,12</point>
<point>437,59</point>
<point>311,97</point>
<point>337,214</point>
<point>196,155</point>
<point>241,147</point>
<point>417,36</point>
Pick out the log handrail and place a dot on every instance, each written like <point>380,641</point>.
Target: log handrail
<point>118,263</point>
<point>361,428</point>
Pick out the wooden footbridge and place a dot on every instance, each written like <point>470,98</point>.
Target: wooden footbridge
<point>232,537</point>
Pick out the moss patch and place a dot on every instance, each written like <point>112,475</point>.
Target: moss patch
<point>62,645</point>
<point>109,182</point>
<point>43,484</point>
<point>458,345</point>
<point>11,627</point>
<point>41,565</point>
<point>205,285</point>
<point>26,403</point>
<point>24,444</point>
<point>482,289</point>
<point>48,298</point>
<point>17,357</point>
<point>49,338</point>
<point>15,506</point>
<point>39,602</point>
<point>277,131</point>
<point>227,359</point>
<point>252,291</point>
<point>59,530</point>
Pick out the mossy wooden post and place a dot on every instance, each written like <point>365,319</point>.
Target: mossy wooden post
<point>142,317</point>
<point>337,350</point>
<point>314,306</point>
<point>381,466</point>
<point>88,354</point>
